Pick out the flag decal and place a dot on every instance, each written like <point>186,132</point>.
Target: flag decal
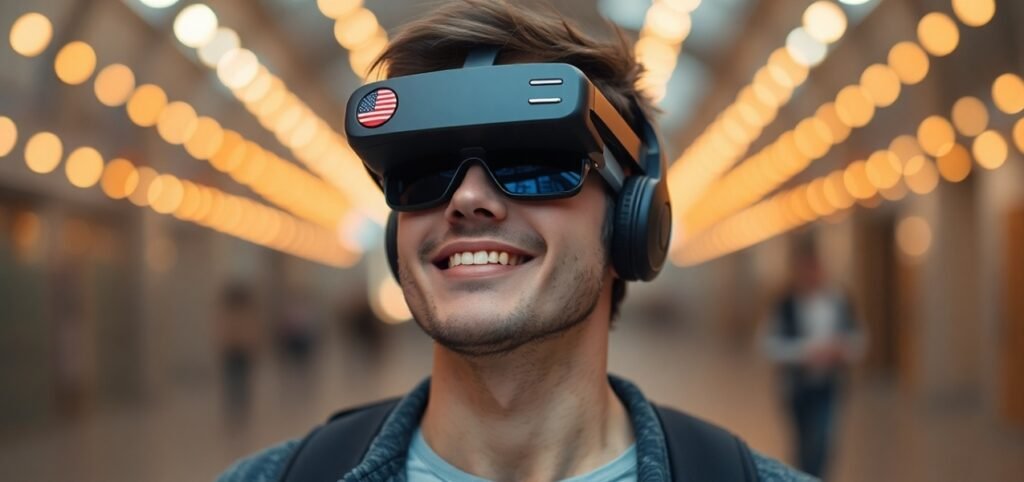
<point>377,107</point>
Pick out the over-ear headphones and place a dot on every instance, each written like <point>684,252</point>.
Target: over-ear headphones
<point>642,221</point>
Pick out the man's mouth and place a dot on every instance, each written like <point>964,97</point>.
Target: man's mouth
<point>480,258</point>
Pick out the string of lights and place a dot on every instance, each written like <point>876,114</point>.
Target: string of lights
<point>666,25</point>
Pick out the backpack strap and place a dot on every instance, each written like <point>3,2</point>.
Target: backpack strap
<point>699,451</point>
<point>333,449</point>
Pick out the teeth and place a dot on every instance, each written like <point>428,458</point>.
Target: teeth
<point>483,257</point>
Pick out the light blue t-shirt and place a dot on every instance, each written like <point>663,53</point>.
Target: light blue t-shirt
<point>424,465</point>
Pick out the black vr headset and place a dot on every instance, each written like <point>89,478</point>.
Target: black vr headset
<point>537,129</point>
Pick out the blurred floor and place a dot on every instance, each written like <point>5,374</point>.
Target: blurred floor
<point>883,435</point>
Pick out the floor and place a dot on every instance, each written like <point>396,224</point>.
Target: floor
<point>185,436</point>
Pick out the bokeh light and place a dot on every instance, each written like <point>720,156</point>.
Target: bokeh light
<point>974,13</point>
<point>195,25</point>
<point>158,3</point>
<point>854,106</point>
<point>1018,135</point>
<point>146,104</point>
<point>938,34</point>
<point>353,30</point>
<point>804,48</point>
<point>177,122</point>
<point>824,21</point>
<point>120,178</point>
<point>955,165</point>
<point>140,195</point>
<point>237,68</point>
<point>970,116</point>
<point>921,175</point>
<point>990,149</point>
<point>114,85</point>
<point>43,152</point>
<point>338,9</point>
<point>31,34</point>
<point>206,139</point>
<point>1008,93</point>
<point>913,236</point>
<point>84,167</point>
<point>75,63</point>
<point>165,194</point>
<point>8,135</point>
<point>881,84</point>
<point>936,135</point>
<point>909,62</point>
<point>223,41</point>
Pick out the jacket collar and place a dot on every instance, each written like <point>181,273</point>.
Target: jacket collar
<point>385,458</point>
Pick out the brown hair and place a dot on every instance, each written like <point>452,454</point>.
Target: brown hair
<point>442,39</point>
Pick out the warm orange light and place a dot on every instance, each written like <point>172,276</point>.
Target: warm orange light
<point>140,195</point>
<point>237,68</point>
<point>974,13</point>
<point>913,236</point>
<point>114,85</point>
<point>881,84</point>
<point>837,128</point>
<point>938,34</point>
<point>921,175</point>
<point>990,149</point>
<point>970,116</point>
<point>43,152</point>
<point>165,194</point>
<point>146,104</point>
<point>936,136</point>
<point>84,167</point>
<point>905,147</point>
<point>824,21</point>
<point>75,63</point>
<point>252,166</point>
<point>895,192</point>
<point>231,152</point>
<point>8,135</point>
<point>1008,93</point>
<point>909,62</point>
<point>812,138</point>
<point>955,165</point>
<point>854,107</point>
<point>1018,135</point>
<point>883,170</point>
<point>190,201</point>
<point>177,122</point>
<point>855,178</point>
<point>835,191</point>
<point>356,29</point>
<point>338,8</point>
<point>119,179</point>
<point>206,140</point>
<point>31,34</point>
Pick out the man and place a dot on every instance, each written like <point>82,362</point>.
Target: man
<point>510,252</point>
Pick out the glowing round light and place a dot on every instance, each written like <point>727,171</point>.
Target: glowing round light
<point>936,136</point>
<point>684,6</point>
<point>905,147</point>
<point>195,25</point>
<point>206,140</point>
<point>913,236</point>
<point>804,48</point>
<point>970,116</point>
<point>1018,134</point>
<point>258,88</point>
<point>884,169</point>
<point>784,69</point>
<point>837,128</point>
<point>238,68</point>
<point>75,63</point>
<point>974,13</point>
<point>224,40</point>
<point>119,179</point>
<point>955,165</point>
<point>177,123</point>
<point>921,175</point>
<point>667,23</point>
<point>231,152</point>
<point>8,135</point>
<point>909,62</point>
<point>824,21</point>
<point>812,138</point>
<point>84,167</point>
<point>855,178</point>
<point>43,152</point>
<point>114,84</point>
<point>31,34</point>
<point>1008,93</point>
<point>938,34</point>
<point>190,201</point>
<point>158,3</point>
<point>140,195</point>
<point>990,150</point>
<point>881,84</point>
<point>338,8</point>
<point>354,30</point>
<point>165,194</point>
<point>854,106</point>
<point>146,104</point>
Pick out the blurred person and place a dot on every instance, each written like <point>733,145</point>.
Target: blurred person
<point>514,262</point>
<point>238,337</point>
<point>814,337</point>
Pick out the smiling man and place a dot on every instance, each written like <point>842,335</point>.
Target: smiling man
<point>527,188</point>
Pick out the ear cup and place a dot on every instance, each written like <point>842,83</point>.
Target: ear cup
<point>643,222</point>
<point>391,243</point>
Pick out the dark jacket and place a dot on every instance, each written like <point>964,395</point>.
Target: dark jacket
<point>385,459</point>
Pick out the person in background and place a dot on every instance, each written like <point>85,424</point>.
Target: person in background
<point>814,336</point>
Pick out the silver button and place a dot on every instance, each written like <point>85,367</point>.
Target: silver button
<point>546,100</point>
<point>546,82</point>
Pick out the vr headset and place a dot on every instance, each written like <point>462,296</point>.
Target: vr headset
<point>538,129</point>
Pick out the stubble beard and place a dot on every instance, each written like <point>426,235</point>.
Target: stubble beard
<point>503,333</point>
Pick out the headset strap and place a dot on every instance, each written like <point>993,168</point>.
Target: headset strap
<point>482,56</point>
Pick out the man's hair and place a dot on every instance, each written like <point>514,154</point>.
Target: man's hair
<point>442,39</point>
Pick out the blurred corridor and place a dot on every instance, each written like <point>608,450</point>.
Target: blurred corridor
<point>191,263</point>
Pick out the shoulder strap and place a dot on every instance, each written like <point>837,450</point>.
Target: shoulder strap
<point>336,447</point>
<point>701,452</point>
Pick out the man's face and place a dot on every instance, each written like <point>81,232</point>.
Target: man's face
<point>550,269</point>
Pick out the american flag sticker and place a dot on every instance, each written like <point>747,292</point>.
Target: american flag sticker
<point>377,107</point>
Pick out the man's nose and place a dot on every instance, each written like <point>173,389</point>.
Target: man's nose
<point>476,199</point>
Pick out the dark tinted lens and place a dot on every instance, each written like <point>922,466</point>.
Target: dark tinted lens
<point>540,178</point>
<point>419,189</point>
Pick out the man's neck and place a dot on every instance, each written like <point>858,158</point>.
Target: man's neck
<point>542,412</point>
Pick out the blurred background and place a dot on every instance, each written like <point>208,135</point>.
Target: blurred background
<point>190,262</point>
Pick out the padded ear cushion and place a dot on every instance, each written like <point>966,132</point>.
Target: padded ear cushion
<point>643,222</point>
<point>391,243</point>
